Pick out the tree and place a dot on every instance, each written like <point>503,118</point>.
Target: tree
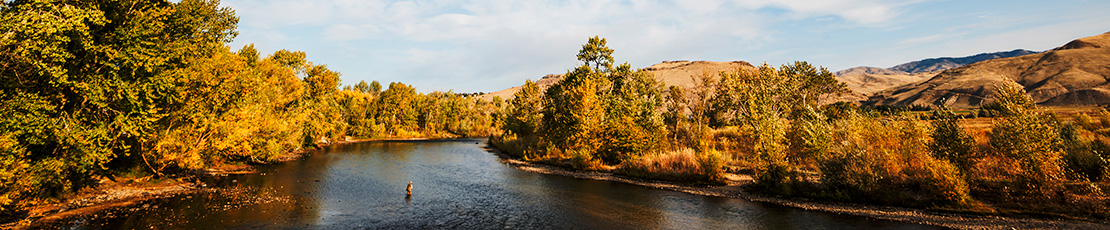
<point>362,87</point>
<point>595,53</point>
<point>1026,136</point>
<point>634,123</point>
<point>321,81</point>
<point>674,115</point>
<point>94,77</point>
<point>524,114</point>
<point>950,142</point>
<point>290,59</point>
<point>375,88</point>
<point>814,84</point>
<point>573,111</point>
<point>397,108</point>
<point>249,54</point>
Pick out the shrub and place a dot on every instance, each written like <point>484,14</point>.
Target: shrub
<point>623,139</point>
<point>1088,161</point>
<point>1104,117</point>
<point>1027,137</point>
<point>950,142</point>
<point>809,138</point>
<point>1085,121</point>
<point>679,165</point>
<point>838,110</point>
<point>888,161</point>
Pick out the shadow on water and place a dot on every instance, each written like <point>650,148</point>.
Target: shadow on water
<point>456,184</point>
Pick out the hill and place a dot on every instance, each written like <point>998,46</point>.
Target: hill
<point>865,81</point>
<point>868,84</point>
<point>678,73</point>
<point>1073,74</point>
<point>945,63</point>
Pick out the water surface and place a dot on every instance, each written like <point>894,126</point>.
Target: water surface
<point>457,185</point>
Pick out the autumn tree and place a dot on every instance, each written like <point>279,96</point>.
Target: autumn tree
<point>396,107</point>
<point>814,85</point>
<point>573,110</point>
<point>84,83</point>
<point>1026,136</point>
<point>762,100</point>
<point>524,115</point>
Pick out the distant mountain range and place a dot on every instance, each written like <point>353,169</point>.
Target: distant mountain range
<point>1074,74</point>
<point>865,80</point>
<point>945,63</point>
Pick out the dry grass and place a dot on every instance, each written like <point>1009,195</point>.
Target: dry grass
<point>679,165</point>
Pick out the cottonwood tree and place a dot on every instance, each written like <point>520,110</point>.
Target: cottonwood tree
<point>603,112</point>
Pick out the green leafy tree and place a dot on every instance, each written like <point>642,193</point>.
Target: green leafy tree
<point>525,108</point>
<point>634,122</point>
<point>950,142</point>
<point>814,84</point>
<point>595,54</point>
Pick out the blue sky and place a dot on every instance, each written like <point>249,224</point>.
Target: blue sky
<point>490,45</point>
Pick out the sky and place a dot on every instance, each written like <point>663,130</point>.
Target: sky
<point>490,45</point>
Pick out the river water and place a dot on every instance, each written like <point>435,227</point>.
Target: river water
<point>456,185</point>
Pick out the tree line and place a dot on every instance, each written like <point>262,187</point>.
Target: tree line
<point>777,124</point>
<point>96,89</point>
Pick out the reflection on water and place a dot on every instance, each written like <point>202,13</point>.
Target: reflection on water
<point>455,185</point>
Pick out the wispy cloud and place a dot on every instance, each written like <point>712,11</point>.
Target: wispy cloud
<point>503,41</point>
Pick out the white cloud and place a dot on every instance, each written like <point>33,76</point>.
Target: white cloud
<point>507,39</point>
<point>347,32</point>
<point>858,11</point>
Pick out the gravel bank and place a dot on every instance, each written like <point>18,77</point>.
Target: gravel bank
<point>734,188</point>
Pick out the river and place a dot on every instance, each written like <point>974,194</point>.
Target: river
<point>456,185</point>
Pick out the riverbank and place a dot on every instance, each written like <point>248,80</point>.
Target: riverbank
<point>124,192</point>
<point>737,186</point>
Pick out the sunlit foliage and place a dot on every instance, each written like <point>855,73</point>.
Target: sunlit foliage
<point>91,89</point>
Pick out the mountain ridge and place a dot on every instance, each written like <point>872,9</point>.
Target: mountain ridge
<point>945,63</point>
<point>1074,74</point>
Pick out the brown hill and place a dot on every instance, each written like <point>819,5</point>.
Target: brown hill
<point>868,80</point>
<point>1073,74</point>
<point>868,70</point>
<point>678,73</point>
<point>1097,41</point>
